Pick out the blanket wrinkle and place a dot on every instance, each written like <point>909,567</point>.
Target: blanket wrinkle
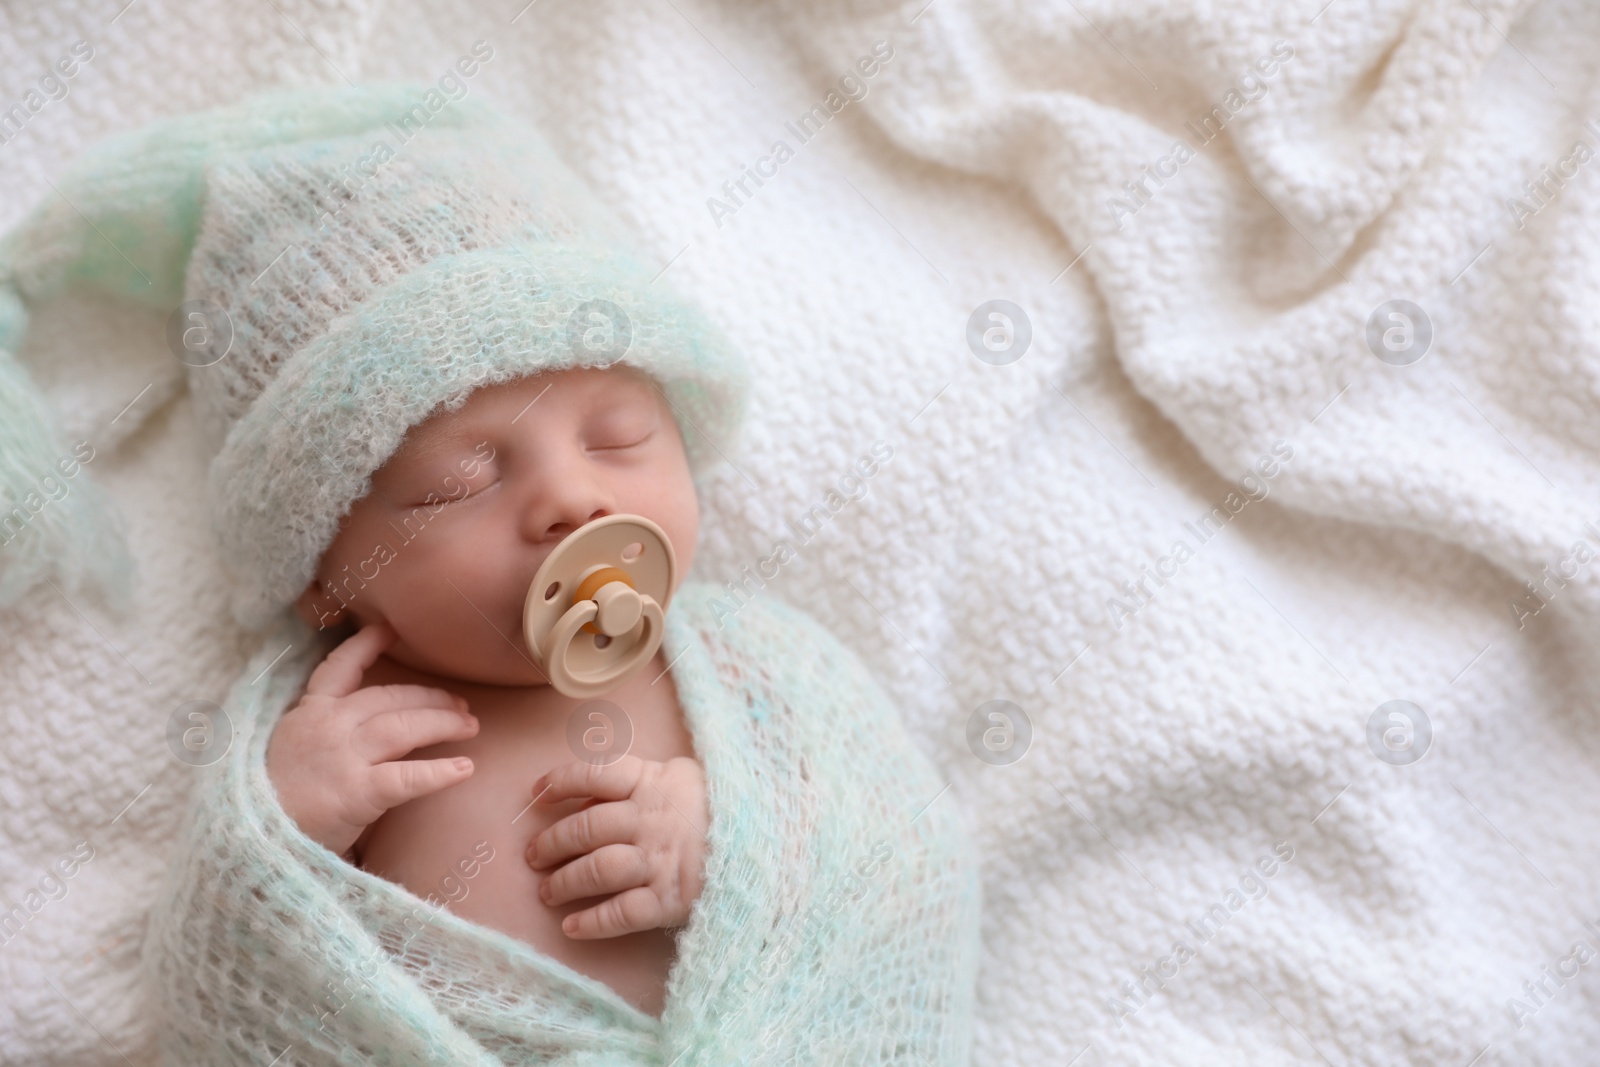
<point>1240,348</point>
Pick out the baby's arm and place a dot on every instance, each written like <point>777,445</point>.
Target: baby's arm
<point>648,846</point>
<point>335,758</point>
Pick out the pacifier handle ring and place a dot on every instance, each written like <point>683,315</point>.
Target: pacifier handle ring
<point>578,617</point>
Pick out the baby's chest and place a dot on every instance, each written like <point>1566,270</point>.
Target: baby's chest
<point>464,847</point>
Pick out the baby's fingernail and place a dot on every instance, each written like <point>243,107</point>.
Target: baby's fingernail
<point>463,763</point>
<point>570,924</point>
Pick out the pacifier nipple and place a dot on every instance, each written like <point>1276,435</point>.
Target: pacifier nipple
<point>620,604</point>
<point>596,610</point>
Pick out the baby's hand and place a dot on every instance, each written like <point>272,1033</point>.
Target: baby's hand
<point>648,846</point>
<point>330,758</point>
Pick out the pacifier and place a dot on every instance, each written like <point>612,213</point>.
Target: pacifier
<point>596,610</point>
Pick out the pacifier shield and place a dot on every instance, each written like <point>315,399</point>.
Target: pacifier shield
<point>596,609</point>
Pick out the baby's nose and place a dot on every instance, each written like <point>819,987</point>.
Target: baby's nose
<point>558,531</point>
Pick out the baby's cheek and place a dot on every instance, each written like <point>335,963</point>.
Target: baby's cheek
<point>416,575</point>
<point>676,510</point>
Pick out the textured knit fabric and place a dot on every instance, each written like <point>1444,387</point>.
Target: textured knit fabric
<point>838,924</point>
<point>363,260</point>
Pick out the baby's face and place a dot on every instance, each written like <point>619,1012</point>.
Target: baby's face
<point>458,521</point>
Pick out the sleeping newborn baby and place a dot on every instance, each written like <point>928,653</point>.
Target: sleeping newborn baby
<point>425,357</point>
<point>423,731</point>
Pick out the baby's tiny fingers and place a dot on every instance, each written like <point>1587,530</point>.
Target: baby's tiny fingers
<point>579,778</point>
<point>378,699</point>
<point>394,783</point>
<point>585,831</point>
<point>392,734</point>
<point>340,672</point>
<point>608,869</point>
<point>626,913</point>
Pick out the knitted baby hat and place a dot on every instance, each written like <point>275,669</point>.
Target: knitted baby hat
<point>338,265</point>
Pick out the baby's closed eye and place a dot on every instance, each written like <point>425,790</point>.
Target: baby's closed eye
<point>626,426</point>
<point>451,478</point>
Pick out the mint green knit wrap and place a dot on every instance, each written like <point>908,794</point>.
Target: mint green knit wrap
<point>838,926</point>
<point>370,273</point>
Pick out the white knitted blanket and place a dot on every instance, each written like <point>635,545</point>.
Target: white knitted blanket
<point>1194,718</point>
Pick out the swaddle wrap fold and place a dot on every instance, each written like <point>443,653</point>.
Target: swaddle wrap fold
<point>838,923</point>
